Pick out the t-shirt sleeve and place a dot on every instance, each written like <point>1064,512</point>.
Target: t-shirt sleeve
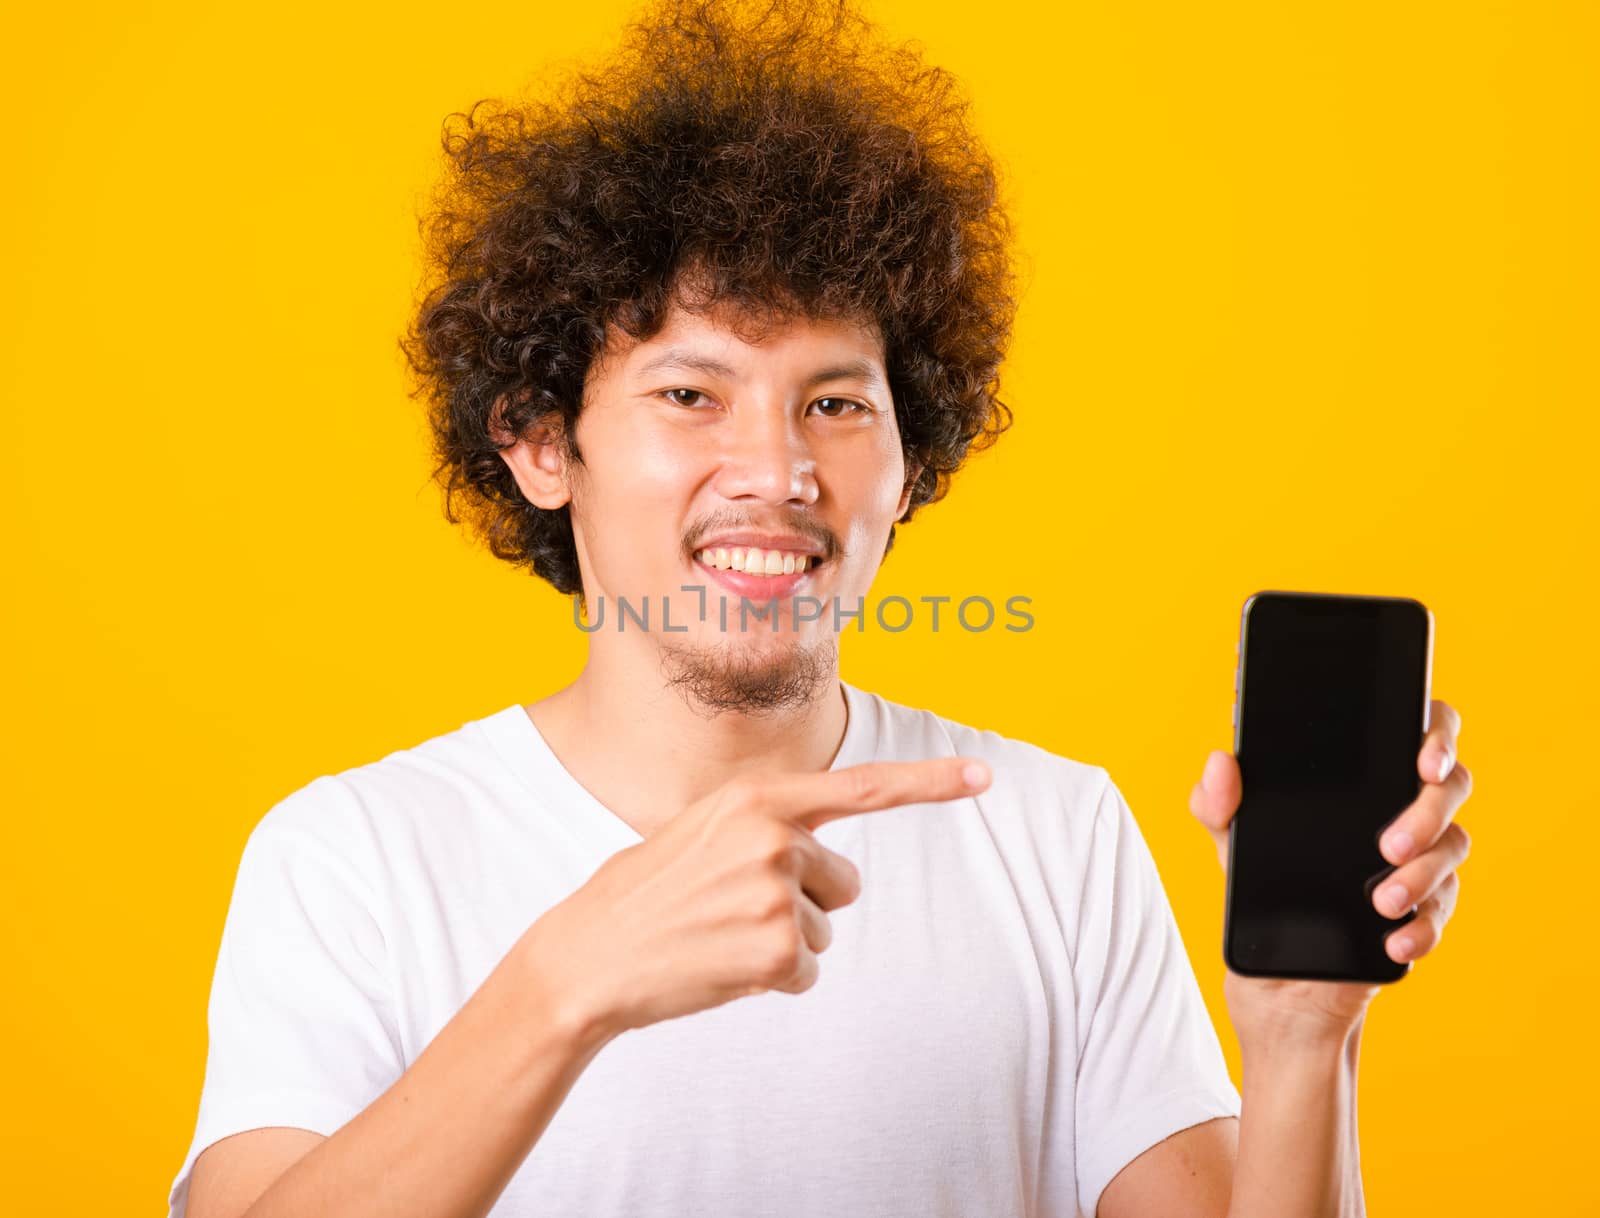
<point>1149,1060</point>
<point>301,1017</point>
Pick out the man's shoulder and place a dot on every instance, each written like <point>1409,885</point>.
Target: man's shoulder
<point>434,777</point>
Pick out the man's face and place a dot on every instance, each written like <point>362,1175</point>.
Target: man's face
<point>760,471</point>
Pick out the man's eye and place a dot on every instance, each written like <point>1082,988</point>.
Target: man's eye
<point>833,408</point>
<point>679,401</point>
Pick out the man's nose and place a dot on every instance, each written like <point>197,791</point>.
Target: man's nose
<point>766,454</point>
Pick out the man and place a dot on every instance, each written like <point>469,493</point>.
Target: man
<point>703,336</point>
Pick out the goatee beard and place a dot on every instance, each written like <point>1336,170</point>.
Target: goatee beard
<point>716,680</point>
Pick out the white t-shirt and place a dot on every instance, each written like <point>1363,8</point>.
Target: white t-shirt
<point>1006,1016</point>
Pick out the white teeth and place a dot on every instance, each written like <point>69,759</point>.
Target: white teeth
<point>754,561</point>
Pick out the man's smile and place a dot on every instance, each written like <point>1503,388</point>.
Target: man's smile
<point>754,561</point>
<point>757,573</point>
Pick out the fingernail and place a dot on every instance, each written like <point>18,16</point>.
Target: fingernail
<point>975,774</point>
<point>1393,898</point>
<point>1402,948</point>
<point>1446,763</point>
<point>1398,845</point>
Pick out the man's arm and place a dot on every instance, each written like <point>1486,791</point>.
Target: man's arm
<point>444,1140</point>
<point>1298,1145</point>
<point>1294,1150</point>
<point>1188,1175</point>
<point>743,912</point>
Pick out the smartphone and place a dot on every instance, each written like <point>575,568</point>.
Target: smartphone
<point>1331,708</point>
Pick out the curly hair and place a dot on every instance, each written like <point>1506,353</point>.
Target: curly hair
<point>779,157</point>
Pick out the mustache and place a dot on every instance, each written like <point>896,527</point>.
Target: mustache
<point>805,526</point>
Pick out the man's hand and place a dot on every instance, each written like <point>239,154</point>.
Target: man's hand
<point>1426,845</point>
<point>728,899</point>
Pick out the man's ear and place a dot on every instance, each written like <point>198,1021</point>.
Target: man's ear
<point>914,469</point>
<point>536,459</point>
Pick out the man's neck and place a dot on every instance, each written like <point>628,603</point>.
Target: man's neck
<point>644,753</point>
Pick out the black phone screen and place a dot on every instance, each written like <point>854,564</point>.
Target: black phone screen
<point>1333,704</point>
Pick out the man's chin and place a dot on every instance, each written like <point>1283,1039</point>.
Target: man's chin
<point>752,675</point>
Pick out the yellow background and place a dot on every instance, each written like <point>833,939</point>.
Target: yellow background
<point>1310,303</point>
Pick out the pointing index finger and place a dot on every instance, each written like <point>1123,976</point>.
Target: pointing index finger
<point>810,800</point>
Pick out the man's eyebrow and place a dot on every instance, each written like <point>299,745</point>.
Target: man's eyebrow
<point>859,368</point>
<point>676,357</point>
